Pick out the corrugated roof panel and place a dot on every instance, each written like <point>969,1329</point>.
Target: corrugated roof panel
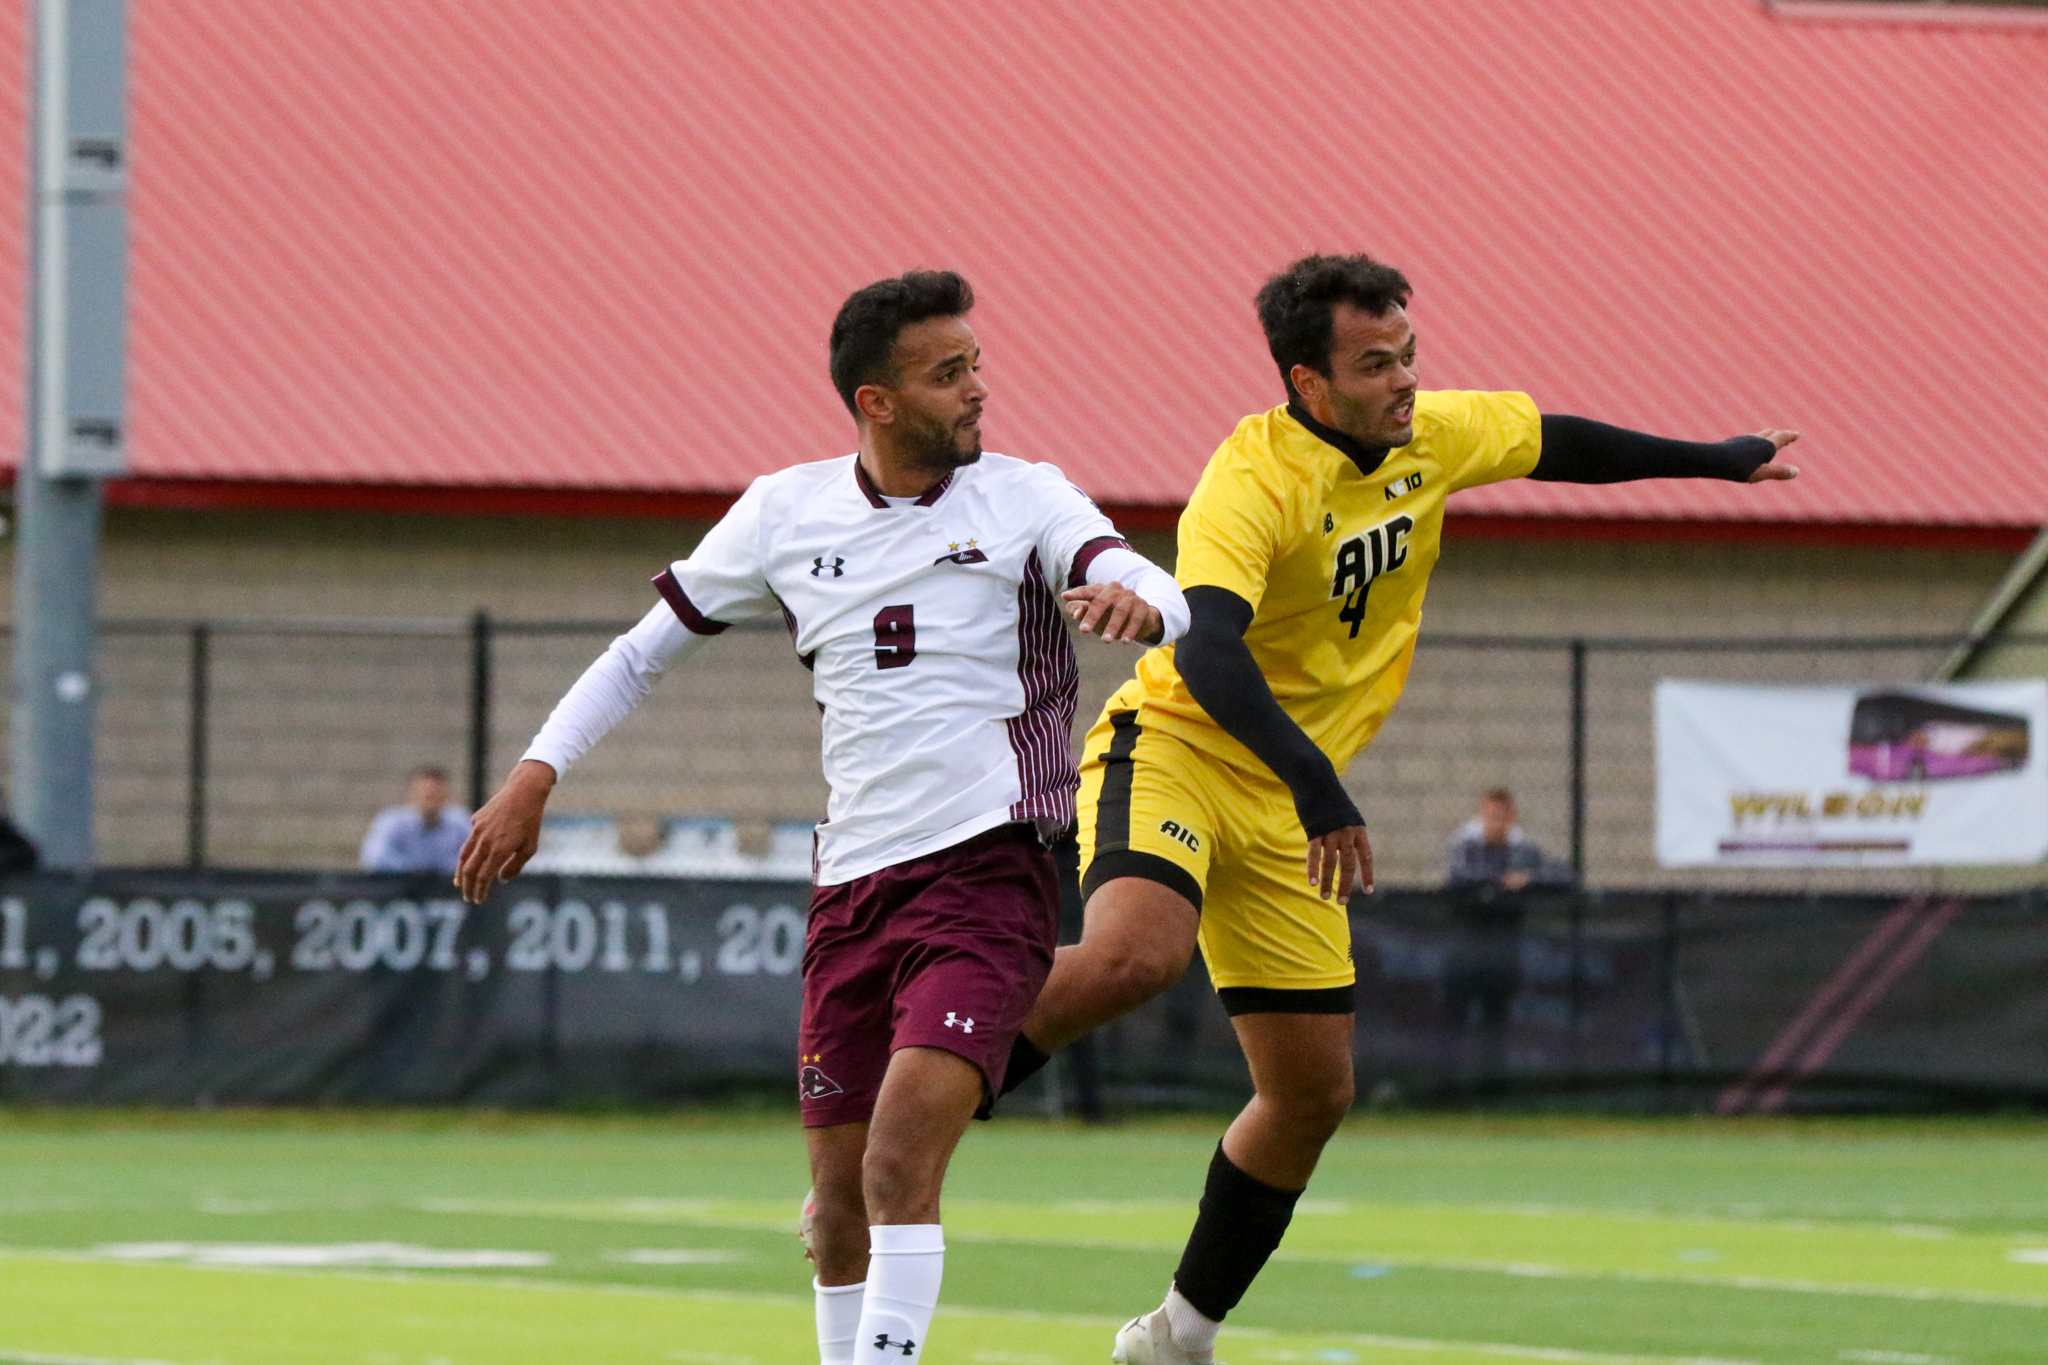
<point>566,245</point>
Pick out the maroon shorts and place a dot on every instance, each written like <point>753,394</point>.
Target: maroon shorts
<point>945,951</point>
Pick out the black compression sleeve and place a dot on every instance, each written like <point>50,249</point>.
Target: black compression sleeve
<point>1577,450</point>
<point>1224,678</point>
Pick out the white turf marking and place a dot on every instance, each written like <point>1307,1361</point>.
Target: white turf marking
<point>1490,1348</point>
<point>708,1213</point>
<point>676,1256</point>
<point>1244,1335</point>
<point>2028,1255</point>
<point>1897,1358</point>
<point>210,1204</point>
<point>378,1255</point>
<point>601,1210</point>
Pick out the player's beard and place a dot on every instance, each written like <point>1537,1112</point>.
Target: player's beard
<point>1370,424</point>
<point>934,446</point>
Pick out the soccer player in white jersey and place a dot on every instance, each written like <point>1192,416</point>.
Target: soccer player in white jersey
<point>922,584</point>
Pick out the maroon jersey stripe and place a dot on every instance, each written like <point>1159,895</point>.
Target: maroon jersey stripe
<point>679,601</point>
<point>1041,735</point>
<point>874,494</point>
<point>809,661</point>
<point>1085,556</point>
<point>867,485</point>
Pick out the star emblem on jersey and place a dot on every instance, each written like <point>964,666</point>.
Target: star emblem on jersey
<point>814,1084</point>
<point>836,568</point>
<point>885,1342</point>
<point>955,1021</point>
<point>956,553</point>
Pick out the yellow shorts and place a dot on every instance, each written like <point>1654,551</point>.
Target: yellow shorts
<point>1153,806</point>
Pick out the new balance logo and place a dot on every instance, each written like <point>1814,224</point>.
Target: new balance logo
<point>819,568</point>
<point>885,1342</point>
<point>955,1021</point>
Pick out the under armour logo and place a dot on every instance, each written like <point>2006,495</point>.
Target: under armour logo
<point>955,1021</point>
<point>884,1342</point>
<point>837,568</point>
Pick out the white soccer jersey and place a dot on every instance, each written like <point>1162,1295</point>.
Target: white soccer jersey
<point>933,627</point>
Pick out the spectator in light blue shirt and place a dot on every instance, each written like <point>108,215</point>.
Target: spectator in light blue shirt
<point>423,835</point>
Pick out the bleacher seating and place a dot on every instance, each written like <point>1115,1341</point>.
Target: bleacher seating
<point>587,844</point>
<point>699,846</point>
<point>790,846</point>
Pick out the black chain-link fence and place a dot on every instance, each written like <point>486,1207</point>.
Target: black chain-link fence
<point>270,743</point>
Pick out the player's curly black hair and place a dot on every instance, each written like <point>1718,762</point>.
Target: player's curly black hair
<point>864,333</point>
<point>1297,306</point>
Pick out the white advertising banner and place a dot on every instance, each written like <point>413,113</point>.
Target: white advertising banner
<point>1851,777</point>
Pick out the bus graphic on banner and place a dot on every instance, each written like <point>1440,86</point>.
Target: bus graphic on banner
<point>1933,775</point>
<point>1903,737</point>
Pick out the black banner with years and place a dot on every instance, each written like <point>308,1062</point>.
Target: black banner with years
<point>180,988</point>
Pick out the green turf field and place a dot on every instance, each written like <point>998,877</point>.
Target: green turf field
<point>242,1239</point>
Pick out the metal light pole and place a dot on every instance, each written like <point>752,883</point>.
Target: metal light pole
<point>77,325</point>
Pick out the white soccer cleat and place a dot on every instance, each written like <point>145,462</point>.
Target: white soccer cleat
<point>1149,1341</point>
<point>806,1217</point>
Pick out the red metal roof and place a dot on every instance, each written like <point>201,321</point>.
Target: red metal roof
<point>544,243</point>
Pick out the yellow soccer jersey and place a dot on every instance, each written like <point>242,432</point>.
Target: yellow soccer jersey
<point>1334,562</point>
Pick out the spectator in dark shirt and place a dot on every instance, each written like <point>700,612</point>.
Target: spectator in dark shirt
<point>17,854</point>
<point>1493,863</point>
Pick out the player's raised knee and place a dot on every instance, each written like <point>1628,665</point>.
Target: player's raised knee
<point>1142,971</point>
<point>1314,1104</point>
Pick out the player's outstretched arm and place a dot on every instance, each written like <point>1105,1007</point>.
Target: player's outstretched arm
<point>1578,450</point>
<point>1222,676</point>
<point>1126,598</point>
<point>505,833</point>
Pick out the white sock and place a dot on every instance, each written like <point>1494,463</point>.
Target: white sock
<point>838,1321</point>
<point>905,1262</point>
<point>1193,1333</point>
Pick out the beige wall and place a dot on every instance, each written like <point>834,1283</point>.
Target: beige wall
<point>312,733</point>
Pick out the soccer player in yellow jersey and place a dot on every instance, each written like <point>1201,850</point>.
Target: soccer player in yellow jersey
<point>1210,805</point>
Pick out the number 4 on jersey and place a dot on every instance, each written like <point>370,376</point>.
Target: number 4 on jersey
<point>1363,558</point>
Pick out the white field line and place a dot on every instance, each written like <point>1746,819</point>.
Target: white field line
<point>1488,1348</point>
<point>1537,1271</point>
<point>1425,1345</point>
<point>704,1211</point>
<point>1385,1343</point>
<point>1742,1282</point>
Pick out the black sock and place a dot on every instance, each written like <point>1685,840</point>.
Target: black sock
<point>1026,1061</point>
<point>1241,1221</point>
